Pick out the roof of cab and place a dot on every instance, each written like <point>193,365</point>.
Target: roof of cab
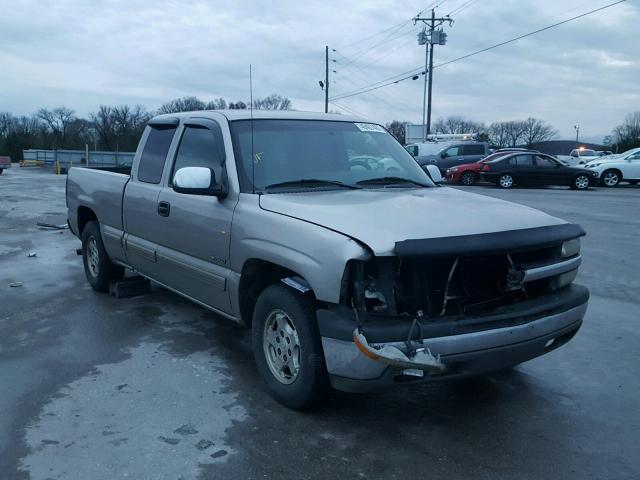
<point>260,115</point>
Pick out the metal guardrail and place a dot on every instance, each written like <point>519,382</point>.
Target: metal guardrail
<point>79,158</point>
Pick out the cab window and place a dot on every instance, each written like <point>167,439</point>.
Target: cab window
<point>201,147</point>
<point>452,151</point>
<point>155,153</point>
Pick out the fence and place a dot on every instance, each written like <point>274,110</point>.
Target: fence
<point>68,158</point>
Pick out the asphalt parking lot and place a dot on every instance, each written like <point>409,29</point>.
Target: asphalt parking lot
<point>153,387</point>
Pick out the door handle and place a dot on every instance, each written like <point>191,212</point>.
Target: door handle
<point>164,208</point>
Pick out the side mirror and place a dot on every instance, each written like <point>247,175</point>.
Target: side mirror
<point>198,181</point>
<point>434,173</point>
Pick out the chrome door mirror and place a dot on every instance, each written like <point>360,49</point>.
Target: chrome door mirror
<point>198,181</point>
<point>434,173</point>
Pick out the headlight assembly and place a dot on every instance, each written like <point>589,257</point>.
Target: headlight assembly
<point>570,248</point>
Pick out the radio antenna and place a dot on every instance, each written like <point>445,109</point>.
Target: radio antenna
<point>253,159</point>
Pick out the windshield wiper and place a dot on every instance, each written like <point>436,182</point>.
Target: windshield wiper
<point>390,181</point>
<point>310,182</point>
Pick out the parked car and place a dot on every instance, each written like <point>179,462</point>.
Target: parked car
<point>614,169</point>
<point>535,169</point>
<point>469,173</point>
<point>5,162</point>
<point>455,154</point>
<point>351,273</point>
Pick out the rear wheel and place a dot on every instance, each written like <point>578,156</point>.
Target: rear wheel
<point>505,181</point>
<point>98,267</point>
<point>633,182</point>
<point>1,169</point>
<point>287,347</point>
<point>611,178</point>
<point>468,178</point>
<point>580,182</point>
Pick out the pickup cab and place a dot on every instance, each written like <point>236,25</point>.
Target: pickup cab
<point>353,268</point>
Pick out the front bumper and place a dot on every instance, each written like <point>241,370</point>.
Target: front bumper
<point>481,345</point>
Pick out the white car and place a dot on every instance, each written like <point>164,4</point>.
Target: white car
<point>616,168</point>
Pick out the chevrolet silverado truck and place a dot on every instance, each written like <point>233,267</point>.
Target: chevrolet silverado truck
<point>353,268</point>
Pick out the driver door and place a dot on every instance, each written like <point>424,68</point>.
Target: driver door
<point>450,157</point>
<point>193,253</point>
<point>549,172</point>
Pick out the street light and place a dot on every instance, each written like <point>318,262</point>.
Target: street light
<point>577,129</point>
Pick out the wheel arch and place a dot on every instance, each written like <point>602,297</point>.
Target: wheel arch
<point>85,215</point>
<point>256,275</point>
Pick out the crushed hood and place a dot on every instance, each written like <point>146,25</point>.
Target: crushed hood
<point>381,217</point>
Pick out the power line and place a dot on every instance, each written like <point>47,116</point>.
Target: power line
<point>417,71</point>
<point>530,33</point>
<point>397,26</point>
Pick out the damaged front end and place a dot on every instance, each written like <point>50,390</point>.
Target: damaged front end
<point>457,285</point>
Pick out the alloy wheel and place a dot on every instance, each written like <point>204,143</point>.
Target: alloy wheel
<point>281,347</point>
<point>468,178</point>
<point>581,182</point>
<point>506,181</point>
<point>93,257</point>
<point>611,179</point>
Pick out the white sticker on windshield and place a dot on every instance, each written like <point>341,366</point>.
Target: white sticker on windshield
<point>370,127</point>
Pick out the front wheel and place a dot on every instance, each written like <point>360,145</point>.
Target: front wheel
<point>287,347</point>
<point>505,181</point>
<point>468,178</point>
<point>581,182</point>
<point>611,178</point>
<point>98,267</point>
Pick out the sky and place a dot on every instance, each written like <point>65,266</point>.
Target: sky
<point>81,54</point>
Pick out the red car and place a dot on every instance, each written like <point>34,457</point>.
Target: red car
<point>5,162</point>
<point>469,173</point>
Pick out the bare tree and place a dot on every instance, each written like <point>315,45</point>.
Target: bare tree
<point>216,104</point>
<point>239,105</point>
<point>184,104</point>
<point>272,102</point>
<point>398,130</point>
<point>627,135</point>
<point>105,125</point>
<point>515,132</point>
<point>6,120</point>
<point>537,131</point>
<point>498,134</point>
<point>456,124</point>
<point>57,120</point>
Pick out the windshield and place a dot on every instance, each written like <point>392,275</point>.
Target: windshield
<point>287,152</point>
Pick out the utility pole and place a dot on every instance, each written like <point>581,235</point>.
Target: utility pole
<point>326,79</point>
<point>577,129</point>
<point>433,37</point>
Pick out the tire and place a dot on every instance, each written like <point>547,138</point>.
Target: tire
<point>633,182</point>
<point>282,317</point>
<point>468,178</point>
<point>1,170</point>
<point>580,182</point>
<point>611,178</point>
<point>98,267</point>
<point>505,180</point>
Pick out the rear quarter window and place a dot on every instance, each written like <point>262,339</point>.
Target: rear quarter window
<point>154,153</point>
<point>474,150</point>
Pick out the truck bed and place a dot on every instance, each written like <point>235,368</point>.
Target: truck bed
<point>98,190</point>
